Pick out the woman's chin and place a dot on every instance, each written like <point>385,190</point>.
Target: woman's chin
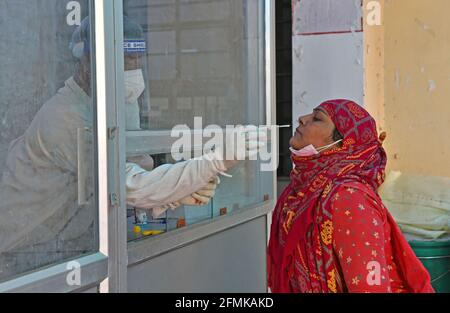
<point>295,143</point>
<point>291,142</point>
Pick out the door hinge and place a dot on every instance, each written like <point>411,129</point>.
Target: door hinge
<point>114,200</point>
<point>112,131</point>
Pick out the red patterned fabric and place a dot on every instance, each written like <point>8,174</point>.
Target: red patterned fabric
<point>362,242</point>
<point>301,257</point>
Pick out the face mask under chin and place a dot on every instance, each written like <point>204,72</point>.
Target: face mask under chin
<point>310,150</point>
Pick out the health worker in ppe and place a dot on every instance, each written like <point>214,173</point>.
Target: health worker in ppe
<point>41,217</point>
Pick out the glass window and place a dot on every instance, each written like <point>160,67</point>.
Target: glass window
<point>186,60</point>
<point>48,210</point>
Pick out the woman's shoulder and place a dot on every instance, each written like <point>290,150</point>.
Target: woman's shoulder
<point>349,193</point>
<point>357,189</point>
<point>354,185</point>
<point>355,197</point>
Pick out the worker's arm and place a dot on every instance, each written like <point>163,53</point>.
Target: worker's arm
<point>169,183</point>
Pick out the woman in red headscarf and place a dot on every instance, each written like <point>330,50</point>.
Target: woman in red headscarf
<point>330,230</point>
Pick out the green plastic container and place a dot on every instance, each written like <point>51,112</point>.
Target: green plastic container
<point>435,256</point>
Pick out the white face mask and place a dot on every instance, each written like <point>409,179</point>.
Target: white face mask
<point>311,150</point>
<point>134,87</point>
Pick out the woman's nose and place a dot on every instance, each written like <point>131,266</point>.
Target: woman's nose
<point>302,120</point>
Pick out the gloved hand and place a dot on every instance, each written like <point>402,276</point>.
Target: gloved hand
<point>251,140</point>
<point>202,196</point>
<point>246,148</point>
<point>199,198</point>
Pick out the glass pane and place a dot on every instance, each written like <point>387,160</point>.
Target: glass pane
<point>204,58</point>
<point>48,211</point>
<point>142,222</point>
<point>185,60</point>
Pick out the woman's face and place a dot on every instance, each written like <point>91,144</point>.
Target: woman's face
<point>316,128</point>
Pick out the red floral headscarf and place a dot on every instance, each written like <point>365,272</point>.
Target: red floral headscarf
<point>303,209</point>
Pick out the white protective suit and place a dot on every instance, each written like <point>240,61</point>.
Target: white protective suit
<point>39,208</point>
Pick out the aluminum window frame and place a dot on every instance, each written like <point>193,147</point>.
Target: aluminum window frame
<point>94,268</point>
<point>145,249</point>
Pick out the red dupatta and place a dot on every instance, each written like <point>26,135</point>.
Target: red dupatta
<point>302,218</point>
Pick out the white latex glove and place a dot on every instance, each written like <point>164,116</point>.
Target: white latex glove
<point>199,198</point>
<point>202,196</point>
<point>251,140</point>
<point>157,212</point>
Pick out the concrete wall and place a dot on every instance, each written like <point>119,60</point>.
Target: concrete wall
<point>327,53</point>
<point>399,70</point>
<point>409,95</point>
<point>374,55</point>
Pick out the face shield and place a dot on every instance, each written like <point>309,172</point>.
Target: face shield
<point>137,97</point>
